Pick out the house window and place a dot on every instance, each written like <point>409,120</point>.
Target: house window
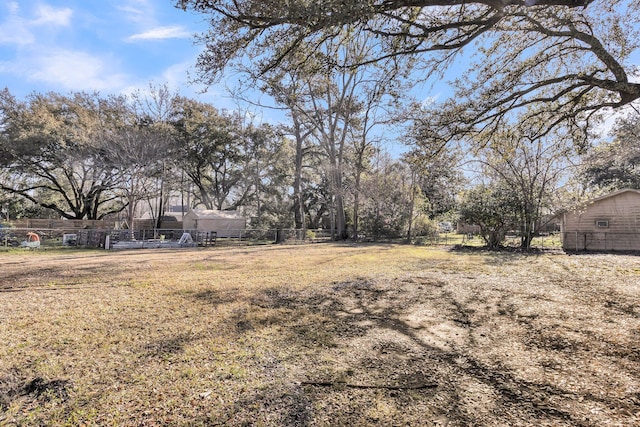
<point>602,223</point>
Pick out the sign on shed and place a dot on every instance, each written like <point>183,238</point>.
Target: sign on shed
<point>224,223</point>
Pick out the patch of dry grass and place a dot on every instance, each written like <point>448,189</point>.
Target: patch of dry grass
<point>319,335</point>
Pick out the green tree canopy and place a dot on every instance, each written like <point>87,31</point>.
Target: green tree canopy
<point>52,147</point>
<point>493,208</point>
<point>209,151</point>
<point>615,164</point>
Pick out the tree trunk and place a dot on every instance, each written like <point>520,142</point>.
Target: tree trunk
<point>412,203</point>
<point>339,212</point>
<point>161,206</point>
<point>131,212</point>
<point>297,184</point>
<point>341,218</point>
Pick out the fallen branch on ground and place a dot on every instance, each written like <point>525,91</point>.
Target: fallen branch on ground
<point>369,386</point>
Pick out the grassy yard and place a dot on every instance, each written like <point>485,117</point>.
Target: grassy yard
<point>319,335</point>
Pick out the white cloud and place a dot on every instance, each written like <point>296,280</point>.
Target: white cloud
<point>13,28</point>
<point>161,33</point>
<point>13,7</point>
<point>13,31</point>
<point>429,101</point>
<point>18,30</point>
<point>179,76</point>
<point>47,15</point>
<point>73,70</point>
<point>35,55</point>
<point>140,12</point>
<point>176,75</point>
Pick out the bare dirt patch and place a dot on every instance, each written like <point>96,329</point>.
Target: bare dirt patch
<point>320,335</point>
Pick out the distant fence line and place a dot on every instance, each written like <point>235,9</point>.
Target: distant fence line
<point>96,238</point>
<point>97,224</point>
<point>65,224</point>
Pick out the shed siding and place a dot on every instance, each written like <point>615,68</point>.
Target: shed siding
<point>224,223</point>
<point>621,212</point>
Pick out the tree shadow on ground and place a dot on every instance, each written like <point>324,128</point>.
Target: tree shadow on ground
<point>36,390</point>
<point>503,255</point>
<point>365,353</point>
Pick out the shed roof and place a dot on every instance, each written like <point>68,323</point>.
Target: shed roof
<point>584,205</point>
<point>614,194</point>
<point>215,214</point>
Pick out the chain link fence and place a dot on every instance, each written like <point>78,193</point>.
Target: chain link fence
<point>176,238</point>
<point>130,239</point>
<point>583,241</point>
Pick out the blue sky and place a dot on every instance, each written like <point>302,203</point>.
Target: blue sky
<point>110,46</point>
<point>113,46</point>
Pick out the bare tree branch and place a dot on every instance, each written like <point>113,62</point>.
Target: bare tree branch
<point>570,55</point>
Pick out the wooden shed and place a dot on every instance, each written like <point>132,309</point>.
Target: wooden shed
<point>607,223</point>
<point>224,223</point>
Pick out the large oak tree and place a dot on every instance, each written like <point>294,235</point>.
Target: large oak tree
<point>52,148</point>
<point>561,60</point>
